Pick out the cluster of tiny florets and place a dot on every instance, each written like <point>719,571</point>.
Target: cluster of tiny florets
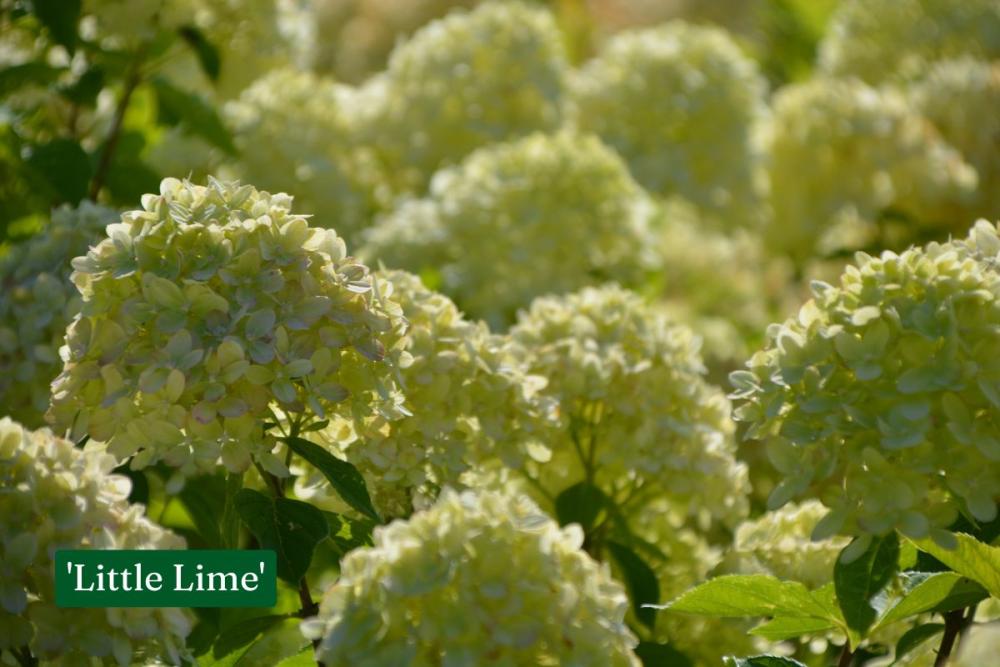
<point>55,496</point>
<point>475,579</point>
<point>205,309</point>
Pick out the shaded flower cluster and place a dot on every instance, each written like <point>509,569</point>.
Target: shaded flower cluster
<point>682,105</point>
<point>636,413</point>
<point>497,226</point>
<point>475,579</point>
<point>880,399</point>
<point>871,159</point>
<point>55,496</point>
<point>37,302</point>
<point>205,309</point>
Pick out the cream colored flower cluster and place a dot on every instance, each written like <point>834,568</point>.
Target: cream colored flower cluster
<point>635,410</point>
<point>296,134</point>
<point>467,397</point>
<point>683,106</point>
<point>37,302</point>
<point>961,98</point>
<point>206,308</point>
<point>55,496</point>
<point>498,226</point>
<point>467,80</point>
<point>844,156</point>
<point>780,543</point>
<point>881,398</point>
<point>476,579</point>
<point>881,40</point>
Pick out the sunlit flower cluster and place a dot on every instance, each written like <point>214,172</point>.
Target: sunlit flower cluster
<point>37,301</point>
<point>682,105</point>
<point>880,399</point>
<point>55,496</point>
<point>467,397</point>
<point>847,159</point>
<point>295,133</point>
<point>636,413</point>
<point>476,579</point>
<point>501,222</point>
<point>206,308</point>
<point>961,98</point>
<point>464,81</point>
<point>879,40</point>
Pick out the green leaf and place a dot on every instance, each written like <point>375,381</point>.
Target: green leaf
<point>193,114</point>
<point>741,595</point>
<point>204,498</point>
<point>914,637</point>
<point>938,591</point>
<point>16,77</point>
<point>129,177</point>
<point>304,658</point>
<point>64,166</point>
<point>85,89</point>
<point>281,641</point>
<point>970,557</point>
<point>140,485</point>
<point>581,503</point>
<point>61,18</point>
<point>241,634</point>
<point>291,527</point>
<point>205,631</point>
<point>349,534</point>
<point>208,55</point>
<point>762,661</point>
<point>858,582</point>
<point>641,582</point>
<point>652,654</point>
<point>343,477</point>
<point>229,524</point>
<point>787,627</point>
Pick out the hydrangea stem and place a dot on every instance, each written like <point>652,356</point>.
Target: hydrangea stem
<point>846,656</point>
<point>954,621</point>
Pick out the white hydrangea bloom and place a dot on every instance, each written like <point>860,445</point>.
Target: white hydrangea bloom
<point>205,309</point>
<point>682,104</point>
<point>844,156</point>
<point>55,496</point>
<point>295,132</point>
<point>467,397</point>
<point>880,398</point>
<point>880,40</point>
<point>37,302</point>
<point>476,579</point>
<point>962,98</point>
<point>633,404</point>
<point>464,81</point>
<point>502,221</point>
<point>780,543</point>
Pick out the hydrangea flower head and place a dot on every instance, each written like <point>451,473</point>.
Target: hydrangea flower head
<point>55,496</point>
<point>475,579</point>
<point>682,105</point>
<point>205,309</point>
<point>37,302</point>
<point>880,398</point>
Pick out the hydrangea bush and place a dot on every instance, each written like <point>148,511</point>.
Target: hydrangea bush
<point>55,496</point>
<point>435,589</point>
<point>682,105</point>
<point>204,310</point>
<point>37,302</point>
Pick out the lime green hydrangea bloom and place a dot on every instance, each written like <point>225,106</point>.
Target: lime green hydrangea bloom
<point>467,397</point>
<point>37,302</point>
<point>476,579</point>
<point>881,398</point>
<point>961,98</point>
<point>55,496</point>
<point>780,543</point>
<point>464,81</point>
<point>318,162</point>
<point>502,221</point>
<point>880,40</point>
<point>634,408</point>
<point>205,309</point>
<point>682,105</point>
<point>846,159</point>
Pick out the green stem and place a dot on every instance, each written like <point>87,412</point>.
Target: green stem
<point>953,623</point>
<point>846,656</point>
<point>114,133</point>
